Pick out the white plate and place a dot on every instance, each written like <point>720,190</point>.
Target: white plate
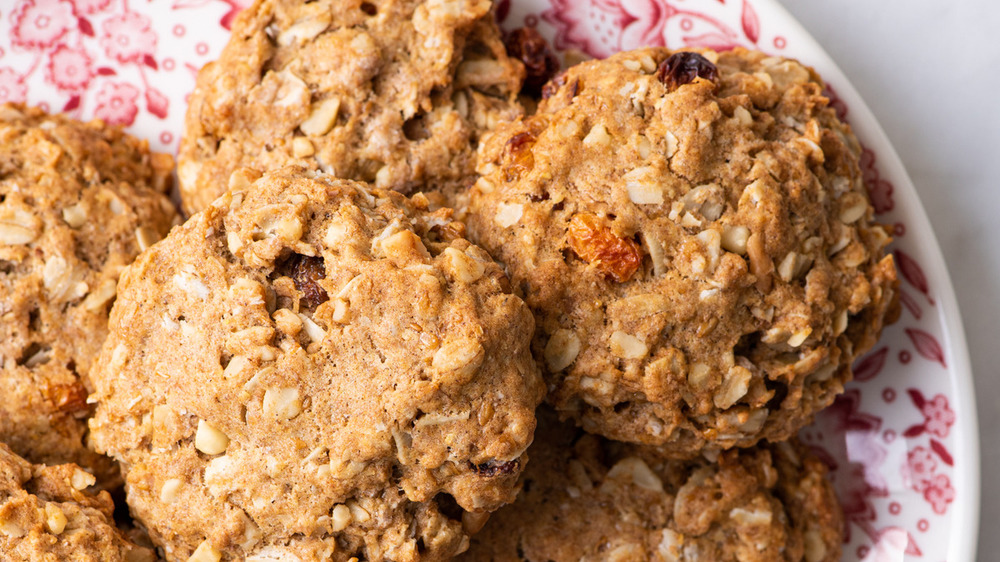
<point>902,441</point>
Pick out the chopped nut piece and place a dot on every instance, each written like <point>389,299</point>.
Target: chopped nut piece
<point>168,493</point>
<point>75,215</point>
<point>322,118</point>
<point>561,350</point>
<point>734,386</point>
<point>302,147</point>
<point>205,553</point>
<point>82,480</point>
<point>509,214</point>
<point>281,403</point>
<point>598,136</point>
<point>210,440</point>
<point>627,346</point>
<point>734,239</point>
<point>635,471</point>
<point>341,517</point>
<point>55,519</point>
<point>146,237</point>
<point>466,269</point>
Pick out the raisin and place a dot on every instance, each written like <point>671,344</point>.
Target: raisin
<point>306,271</point>
<point>489,469</point>
<point>618,258</point>
<point>552,86</point>
<point>517,154</point>
<point>683,68</point>
<point>540,63</point>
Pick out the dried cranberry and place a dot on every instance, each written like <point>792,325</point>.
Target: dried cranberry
<point>306,271</point>
<point>683,67</point>
<point>540,63</point>
<point>489,469</point>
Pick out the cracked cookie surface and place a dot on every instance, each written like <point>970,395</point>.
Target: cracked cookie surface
<point>316,369</point>
<point>693,234</point>
<point>52,514</point>
<point>587,498</point>
<point>391,92</point>
<point>78,202</point>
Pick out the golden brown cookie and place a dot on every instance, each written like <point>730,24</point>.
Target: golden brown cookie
<point>694,237</point>
<point>587,498</point>
<point>53,514</point>
<point>392,92</point>
<point>312,368</point>
<point>78,202</point>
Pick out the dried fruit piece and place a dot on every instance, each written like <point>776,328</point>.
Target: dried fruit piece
<point>492,468</point>
<point>618,258</point>
<point>306,271</point>
<point>683,68</point>
<point>540,63</point>
<point>517,155</point>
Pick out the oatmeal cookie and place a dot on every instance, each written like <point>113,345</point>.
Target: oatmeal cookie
<point>52,514</point>
<point>587,498</point>
<point>393,92</point>
<point>78,202</point>
<point>693,234</point>
<point>316,369</point>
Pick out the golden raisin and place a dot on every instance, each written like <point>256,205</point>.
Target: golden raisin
<point>517,155</point>
<point>69,398</point>
<point>594,243</point>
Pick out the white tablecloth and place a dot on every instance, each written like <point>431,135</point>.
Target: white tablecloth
<point>930,71</point>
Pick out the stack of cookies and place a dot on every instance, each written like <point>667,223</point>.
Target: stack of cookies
<point>430,303</point>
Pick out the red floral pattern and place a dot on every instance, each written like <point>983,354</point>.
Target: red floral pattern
<point>135,62</point>
<point>40,23</point>
<point>69,68</point>
<point>128,37</point>
<point>116,103</point>
<point>12,86</point>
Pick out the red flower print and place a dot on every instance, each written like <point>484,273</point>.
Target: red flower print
<point>939,493</point>
<point>12,88</point>
<point>90,6</point>
<point>939,417</point>
<point>116,103</point>
<point>69,68</point>
<point>128,37</point>
<point>919,470</point>
<point>39,23</point>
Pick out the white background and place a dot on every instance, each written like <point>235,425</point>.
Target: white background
<point>930,71</point>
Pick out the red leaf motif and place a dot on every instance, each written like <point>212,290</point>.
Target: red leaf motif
<point>149,61</point>
<point>156,103</point>
<point>917,397</point>
<point>913,273</point>
<point>914,431</point>
<point>85,27</point>
<point>503,9</point>
<point>73,103</point>
<point>714,41</point>
<point>911,304</point>
<point>751,25</point>
<point>870,365</point>
<point>227,19</point>
<point>106,71</point>
<point>927,345</point>
<point>939,448</point>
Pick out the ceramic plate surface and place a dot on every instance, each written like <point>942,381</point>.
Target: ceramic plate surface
<point>902,441</point>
